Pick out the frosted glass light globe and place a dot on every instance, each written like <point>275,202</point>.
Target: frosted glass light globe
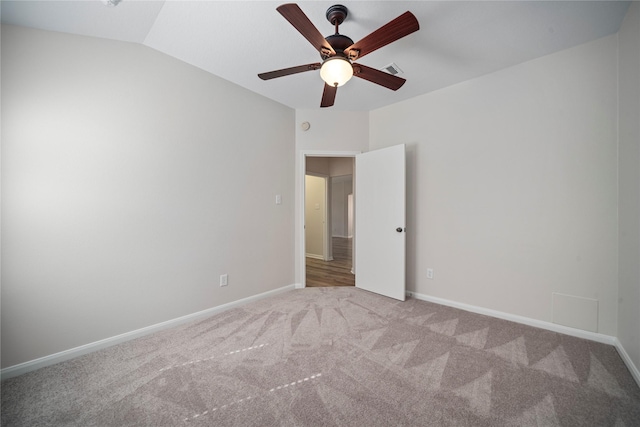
<point>336,71</point>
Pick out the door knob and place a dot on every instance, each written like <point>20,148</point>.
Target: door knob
<point>399,229</point>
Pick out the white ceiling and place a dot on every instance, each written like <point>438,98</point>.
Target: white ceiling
<point>236,40</point>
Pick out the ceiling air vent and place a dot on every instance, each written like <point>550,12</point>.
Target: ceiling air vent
<point>392,69</point>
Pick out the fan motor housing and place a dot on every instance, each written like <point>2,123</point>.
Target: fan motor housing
<point>339,43</point>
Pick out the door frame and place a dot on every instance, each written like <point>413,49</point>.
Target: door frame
<point>302,171</point>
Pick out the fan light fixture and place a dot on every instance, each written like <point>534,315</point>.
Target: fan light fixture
<point>336,71</point>
<point>339,51</point>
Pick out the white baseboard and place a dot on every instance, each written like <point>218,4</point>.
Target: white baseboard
<point>579,333</point>
<point>593,336</point>
<point>32,365</point>
<point>320,257</point>
<point>635,373</point>
<point>22,368</point>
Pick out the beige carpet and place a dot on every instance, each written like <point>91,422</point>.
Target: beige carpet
<point>334,357</point>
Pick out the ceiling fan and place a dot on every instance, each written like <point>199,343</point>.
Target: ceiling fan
<point>338,51</point>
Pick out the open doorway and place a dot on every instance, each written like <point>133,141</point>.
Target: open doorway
<point>329,216</point>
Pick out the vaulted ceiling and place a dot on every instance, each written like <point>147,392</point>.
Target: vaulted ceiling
<point>236,40</point>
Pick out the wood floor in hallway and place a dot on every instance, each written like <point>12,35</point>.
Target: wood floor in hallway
<point>336,272</point>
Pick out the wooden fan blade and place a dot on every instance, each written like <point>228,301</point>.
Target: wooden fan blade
<point>299,20</point>
<point>403,25</point>
<point>378,77</point>
<point>328,95</point>
<point>288,71</point>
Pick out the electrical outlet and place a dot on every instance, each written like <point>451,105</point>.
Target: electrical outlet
<point>429,273</point>
<point>224,279</point>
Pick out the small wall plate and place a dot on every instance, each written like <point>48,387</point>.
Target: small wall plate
<point>305,126</point>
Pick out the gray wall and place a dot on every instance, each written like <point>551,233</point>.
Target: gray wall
<point>629,184</point>
<point>130,182</point>
<point>512,184</point>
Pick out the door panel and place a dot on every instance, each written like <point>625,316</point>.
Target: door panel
<point>379,212</point>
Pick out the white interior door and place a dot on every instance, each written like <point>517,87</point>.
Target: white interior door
<point>380,222</point>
